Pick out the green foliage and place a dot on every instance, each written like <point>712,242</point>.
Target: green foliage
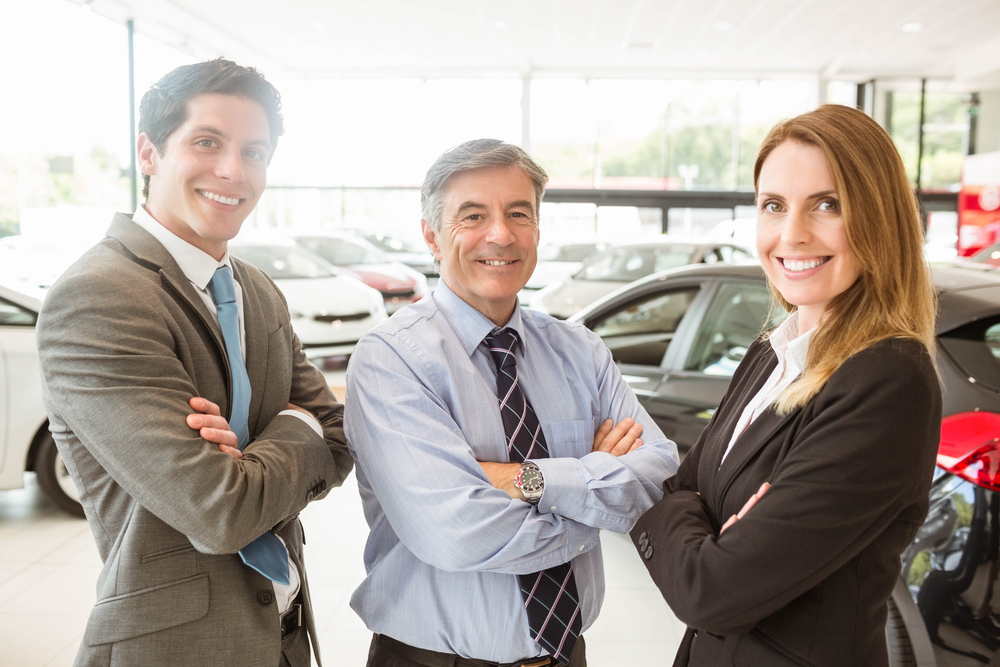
<point>944,113</point>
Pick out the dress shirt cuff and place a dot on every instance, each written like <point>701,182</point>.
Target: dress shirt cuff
<point>309,419</point>
<point>565,489</point>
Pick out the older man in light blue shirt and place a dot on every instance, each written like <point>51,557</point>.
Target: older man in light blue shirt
<point>455,525</point>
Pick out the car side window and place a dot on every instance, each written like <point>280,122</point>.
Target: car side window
<point>12,315</point>
<point>737,315</point>
<point>975,347</point>
<point>640,331</point>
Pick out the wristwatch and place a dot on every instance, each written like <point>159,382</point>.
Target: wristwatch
<point>529,480</point>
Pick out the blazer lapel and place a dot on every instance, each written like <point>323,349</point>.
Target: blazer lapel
<point>256,352</point>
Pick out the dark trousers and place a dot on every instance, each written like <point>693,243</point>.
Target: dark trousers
<point>380,655</point>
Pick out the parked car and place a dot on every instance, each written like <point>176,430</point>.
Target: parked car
<point>399,284</point>
<point>25,441</point>
<point>409,250</point>
<point>609,270</point>
<point>678,336</point>
<point>330,311</point>
<point>558,261</point>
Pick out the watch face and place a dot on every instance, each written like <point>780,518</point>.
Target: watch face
<point>530,480</point>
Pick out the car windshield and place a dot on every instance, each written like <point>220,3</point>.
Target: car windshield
<point>341,252</point>
<point>630,263</point>
<point>570,252</point>
<point>282,262</point>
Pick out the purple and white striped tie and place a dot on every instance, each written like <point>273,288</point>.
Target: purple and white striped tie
<point>550,596</point>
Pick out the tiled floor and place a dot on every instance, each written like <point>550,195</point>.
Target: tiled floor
<point>49,568</point>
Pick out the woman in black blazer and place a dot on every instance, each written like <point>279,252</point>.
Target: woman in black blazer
<point>778,540</point>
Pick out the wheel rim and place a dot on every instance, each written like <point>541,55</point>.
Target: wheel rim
<point>65,482</point>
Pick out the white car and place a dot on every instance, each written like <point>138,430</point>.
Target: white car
<point>25,441</point>
<point>330,311</point>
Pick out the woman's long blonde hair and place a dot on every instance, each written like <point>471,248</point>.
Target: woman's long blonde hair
<point>894,295</point>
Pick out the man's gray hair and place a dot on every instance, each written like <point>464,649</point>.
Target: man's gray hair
<point>475,154</point>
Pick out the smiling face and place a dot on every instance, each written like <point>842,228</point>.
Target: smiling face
<point>208,177</point>
<point>801,238</point>
<point>488,240</point>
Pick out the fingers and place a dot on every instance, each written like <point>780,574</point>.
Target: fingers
<point>635,445</point>
<point>292,406</point>
<point>624,446</point>
<point>727,524</point>
<point>204,405</point>
<point>207,421</point>
<point>232,451</point>
<point>602,432</point>
<point>219,436</point>
<point>618,440</point>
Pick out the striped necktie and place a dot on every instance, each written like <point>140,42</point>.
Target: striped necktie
<point>266,554</point>
<point>550,596</point>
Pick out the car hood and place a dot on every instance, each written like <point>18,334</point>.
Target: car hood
<point>337,295</point>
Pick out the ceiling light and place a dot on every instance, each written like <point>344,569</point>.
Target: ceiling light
<point>913,27</point>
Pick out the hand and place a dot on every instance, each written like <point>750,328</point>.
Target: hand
<point>212,426</point>
<point>746,508</point>
<point>502,476</point>
<point>618,440</point>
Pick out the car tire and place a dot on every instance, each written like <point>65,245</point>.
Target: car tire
<point>54,479</point>
<point>897,639</point>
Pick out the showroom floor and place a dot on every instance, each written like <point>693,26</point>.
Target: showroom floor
<point>49,567</point>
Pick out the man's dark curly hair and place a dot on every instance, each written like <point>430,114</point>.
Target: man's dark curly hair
<point>164,107</point>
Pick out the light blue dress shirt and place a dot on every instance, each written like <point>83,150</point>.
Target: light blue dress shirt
<point>421,410</point>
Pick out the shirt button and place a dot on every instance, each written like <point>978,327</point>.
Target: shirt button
<point>582,547</point>
<point>265,597</point>
<point>553,508</point>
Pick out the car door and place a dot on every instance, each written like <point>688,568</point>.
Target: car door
<point>703,361</point>
<point>639,329</point>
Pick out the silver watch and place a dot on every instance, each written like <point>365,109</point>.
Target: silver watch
<point>529,480</point>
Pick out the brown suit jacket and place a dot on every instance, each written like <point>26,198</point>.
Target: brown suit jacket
<point>125,341</point>
<point>804,577</point>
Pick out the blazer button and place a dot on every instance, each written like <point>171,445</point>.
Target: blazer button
<point>643,542</point>
<point>265,597</point>
<point>649,553</point>
<point>642,538</point>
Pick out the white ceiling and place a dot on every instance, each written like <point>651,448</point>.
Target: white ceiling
<point>834,39</point>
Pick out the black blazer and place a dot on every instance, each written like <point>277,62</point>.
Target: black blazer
<point>804,577</point>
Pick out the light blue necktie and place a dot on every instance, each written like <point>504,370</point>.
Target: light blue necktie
<point>266,554</point>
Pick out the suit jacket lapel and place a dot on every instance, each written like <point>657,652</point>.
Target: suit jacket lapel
<point>256,352</point>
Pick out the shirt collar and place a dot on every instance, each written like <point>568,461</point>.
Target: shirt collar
<point>196,264</point>
<point>787,342</point>
<point>470,325</point>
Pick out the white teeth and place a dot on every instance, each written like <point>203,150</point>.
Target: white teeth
<point>497,262</point>
<point>230,201</point>
<point>797,265</point>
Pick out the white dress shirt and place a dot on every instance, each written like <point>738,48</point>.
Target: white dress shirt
<point>199,267</point>
<point>792,351</point>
